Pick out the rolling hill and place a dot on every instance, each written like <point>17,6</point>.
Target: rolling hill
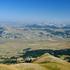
<point>44,62</point>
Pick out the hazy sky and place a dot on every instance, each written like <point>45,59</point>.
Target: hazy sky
<point>34,10</point>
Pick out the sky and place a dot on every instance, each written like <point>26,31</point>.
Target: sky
<point>35,10</point>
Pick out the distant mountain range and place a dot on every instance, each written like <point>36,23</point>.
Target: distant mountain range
<point>35,31</point>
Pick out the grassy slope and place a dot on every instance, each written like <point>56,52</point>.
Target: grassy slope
<point>36,66</point>
<point>32,66</point>
<point>45,62</point>
<point>6,67</point>
<point>29,66</point>
<point>56,66</point>
<point>49,58</point>
<point>52,63</point>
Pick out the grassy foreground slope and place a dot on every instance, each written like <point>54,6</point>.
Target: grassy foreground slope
<point>45,62</point>
<point>23,66</point>
<point>53,63</point>
<point>29,66</point>
<point>35,66</point>
<point>6,67</point>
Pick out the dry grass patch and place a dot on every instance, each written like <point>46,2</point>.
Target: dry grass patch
<point>29,66</point>
<point>6,67</point>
